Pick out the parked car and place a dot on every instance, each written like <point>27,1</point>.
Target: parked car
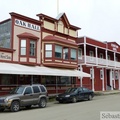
<point>24,96</point>
<point>75,94</point>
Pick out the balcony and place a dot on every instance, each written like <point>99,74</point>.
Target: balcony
<point>98,62</point>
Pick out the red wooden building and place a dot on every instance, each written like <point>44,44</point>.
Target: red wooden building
<point>102,61</point>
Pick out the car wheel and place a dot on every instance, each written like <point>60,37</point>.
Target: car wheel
<point>15,106</point>
<point>74,100</point>
<point>42,103</point>
<point>28,107</point>
<point>90,97</point>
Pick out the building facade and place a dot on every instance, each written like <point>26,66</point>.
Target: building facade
<point>102,61</point>
<point>49,42</point>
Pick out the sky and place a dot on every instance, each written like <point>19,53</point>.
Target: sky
<point>98,19</point>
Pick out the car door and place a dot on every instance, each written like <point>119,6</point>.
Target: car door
<point>27,97</point>
<point>86,92</point>
<point>80,93</point>
<point>36,94</point>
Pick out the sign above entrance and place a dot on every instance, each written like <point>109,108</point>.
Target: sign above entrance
<point>27,25</point>
<point>115,47</point>
<point>5,56</point>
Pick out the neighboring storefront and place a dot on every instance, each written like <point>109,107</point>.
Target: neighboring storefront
<point>102,61</point>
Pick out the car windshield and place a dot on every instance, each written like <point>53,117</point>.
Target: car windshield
<point>17,90</point>
<point>70,90</point>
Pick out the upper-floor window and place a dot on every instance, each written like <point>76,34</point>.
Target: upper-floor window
<point>32,48</point>
<point>73,54</point>
<point>23,47</point>
<point>58,51</point>
<point>48,50</point>
<point>80,53</point>
<point>65,53</point>
<point>108,57</point>
<point>101,55</point>
<point>91,54</point>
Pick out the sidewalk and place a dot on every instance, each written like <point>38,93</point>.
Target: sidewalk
<point>107,92</point>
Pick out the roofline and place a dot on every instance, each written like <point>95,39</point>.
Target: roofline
<point>5,20</point>
<point>24,17</point>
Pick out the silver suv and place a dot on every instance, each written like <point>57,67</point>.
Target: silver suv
<point>24,96</point>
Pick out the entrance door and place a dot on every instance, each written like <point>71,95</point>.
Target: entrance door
<point>108,80</point>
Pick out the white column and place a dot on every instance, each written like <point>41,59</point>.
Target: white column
<point>80,69</point>
<point>96,52</point>
<point>106,58</point>
<point>111,80</point>
<point>93,79</point>
<point>85,49</point>
<point>114,79</point>
<point>119,78</point>
<point>103,84</point>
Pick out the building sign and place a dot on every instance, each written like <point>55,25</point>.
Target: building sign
<point>115,47</point>
<point>5,56</point>
<point>27,25</point>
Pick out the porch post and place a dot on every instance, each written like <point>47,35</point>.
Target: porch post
<point>85,49</point>
<point>111,80</point>
<point>93,79</point>
<point>114,78</point>
<point>96,56</point>
<point>31,79</point>
<point>56,85</point>
<point>103,86</point>
<point>81,69</point>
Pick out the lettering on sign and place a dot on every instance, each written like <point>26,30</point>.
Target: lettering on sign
<point>115,47</point>
<point>5,56</point>
<point>27,25</point>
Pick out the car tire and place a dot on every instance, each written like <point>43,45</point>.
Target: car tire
<point>15,106</point>
<point>74,100</point>
<point>42,103</point>
<point>89,97</point>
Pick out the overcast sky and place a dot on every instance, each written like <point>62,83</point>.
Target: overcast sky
<point>99,19</point>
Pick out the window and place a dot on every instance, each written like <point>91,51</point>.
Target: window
<point>23,47</point>
<point>91,55</point>
<point>28,90</point>
<point>101,74</point>
<point>32,48</point>
<point>48,50</point>
<point>101,55</point>
<point>36,89</point>
<point>65,53</point>
<point>116,75</point>
<point>58,51</point>
<point>42,89</point>
<point>113,75</point>
<point>73,54</point>
<point>80,53</point>
<point>108,57</point>
<point>92,73</point>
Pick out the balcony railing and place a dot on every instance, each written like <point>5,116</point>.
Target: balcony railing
<point>98,61</point>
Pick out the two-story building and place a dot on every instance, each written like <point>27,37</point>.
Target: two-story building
<point>102,61</point>
<point>38,51</point>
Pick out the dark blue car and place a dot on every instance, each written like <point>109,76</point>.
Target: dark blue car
<point>75,94</point>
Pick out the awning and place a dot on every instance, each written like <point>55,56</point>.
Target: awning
<point>9,68</point>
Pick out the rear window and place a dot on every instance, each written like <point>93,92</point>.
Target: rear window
<point>36,89</point>
<point>42,89</point>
